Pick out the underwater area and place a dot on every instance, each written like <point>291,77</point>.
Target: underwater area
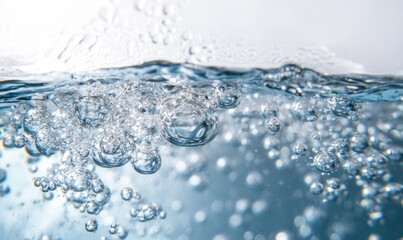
<point>201,120</point>
<point>176,151</point>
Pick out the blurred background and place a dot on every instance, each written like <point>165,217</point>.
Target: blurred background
<point>331,36</point>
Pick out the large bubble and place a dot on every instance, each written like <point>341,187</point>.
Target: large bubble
<point>188,123</point>
<point>110,150</point>
<point>147,161</point>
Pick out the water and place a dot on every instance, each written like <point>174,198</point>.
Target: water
<point>176,151</point>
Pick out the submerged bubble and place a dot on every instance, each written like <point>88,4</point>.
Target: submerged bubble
<point>188,123</point>
<point>147,212</point>
<point>305,111</point>
<point>47,142</point>
<point>97,185</point>
<point>91,225</point>
<point>8,141</point>
<point>34,120</point>
<point>127,193</point>
<point>300,149</point>
<point>273,125</point>
<point>340,146</point>
<point>19,141</point>
<point>113,228</point>
<point>147,161</point>
<point>109,150</point>
<point>91,110</point>
<point>121,232</point>
<point>316,188</point>
<point>358,142</point>
<point>343,107</point>
<point>78,179</point>
<point>326,162</point>
<point>228,96</point>
<point>333,183</point>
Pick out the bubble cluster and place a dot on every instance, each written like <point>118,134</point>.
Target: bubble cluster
<point>147,211</point>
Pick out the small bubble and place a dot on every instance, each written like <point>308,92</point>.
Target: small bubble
<point>358,142</point>
<point>228,96</point>
<point>127,193</point>
<point>340,146</point>
<point>273,125</point>
<point>91,225</point>
<point>268,111</point>
<point>19,141</point>
<point>121,232</point>
<point>326,162</point>
<point>163,214</point>
<point>305,111</point>
<point>8,141</point>
<point>97,185</point>
<point>352,167</point>
<point>333,183</point>
<point>113,228</point>
<point>92,208</point>
<point>394,153</point>
<point>300,149</point>
<point>316,188</point>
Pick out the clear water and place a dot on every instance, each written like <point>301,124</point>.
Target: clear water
<point>174,151</point>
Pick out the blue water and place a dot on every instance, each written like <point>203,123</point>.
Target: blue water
<point>177,151</point>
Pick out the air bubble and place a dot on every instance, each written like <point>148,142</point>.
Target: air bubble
<point>47,142</point>
<point>147,161</point>
<point>188,123</point>
<point>78,179</point>
<point>19,141</point>
<point>326,162</point>
<point>305,111</point>
<point>91,225</point>
<point>110,150</point>
<point>358,142</point>
<point>34,120</point>
<point>316,188</point>
<point>127,193</point>
<point>228,96</point>
<point>300,149</point>
<point>273,125</point>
